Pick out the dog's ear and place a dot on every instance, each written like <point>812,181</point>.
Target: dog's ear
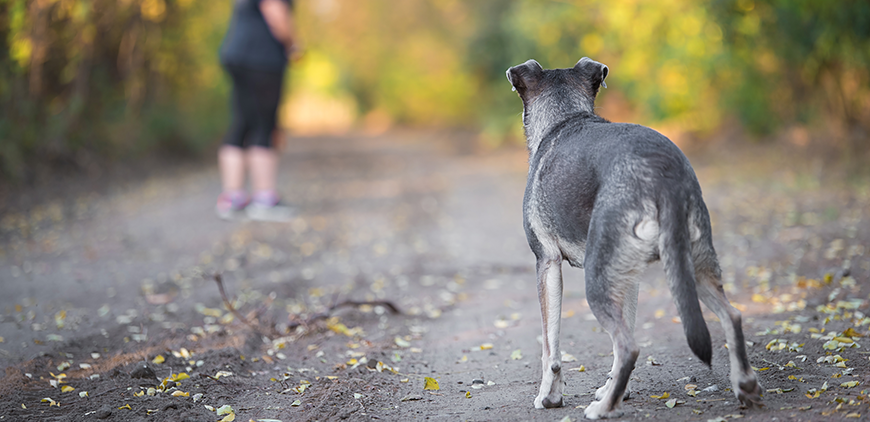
<point>525,77</point>
<point>593,73</point>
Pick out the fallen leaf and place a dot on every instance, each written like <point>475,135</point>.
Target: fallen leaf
<point>468,394</point>
<point>158,359</point>
<point>223,374</point>
<point>50,402</point>
<point>296,402</point>
<point>849,384</point>
<point>179,393</point>
<point>671,403</point>
<point>228,418</point>
<point>567,357</point>
<point>401,342</point>
<point>83,394</point>
<point>126,406</point>
<point>517,354</point>
<point>178,377</point>
<point>582,368</point>
<point>357,396</point>
<point>850,332</point>
<point>225,409</point>
<point>486,346</point>
<point>66,389</point>
<point>431,384</point>
<point>411,397</point>
<point>663,396</point>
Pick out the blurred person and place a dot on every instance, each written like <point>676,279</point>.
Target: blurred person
<point>255,51</point>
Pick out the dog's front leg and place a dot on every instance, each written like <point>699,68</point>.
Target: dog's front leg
<point>550,294</point>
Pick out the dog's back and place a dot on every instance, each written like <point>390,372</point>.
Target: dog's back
<point>587,162</point>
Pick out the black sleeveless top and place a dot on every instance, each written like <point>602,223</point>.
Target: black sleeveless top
<point>249,43</point>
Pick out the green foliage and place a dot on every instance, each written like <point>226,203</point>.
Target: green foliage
<point>108,78</point>
<point>126,77</point>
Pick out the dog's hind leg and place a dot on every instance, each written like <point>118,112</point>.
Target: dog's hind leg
<point>744,382</point>
<point>550,294</point>
<point>629,311</point>
<point>612,266</point>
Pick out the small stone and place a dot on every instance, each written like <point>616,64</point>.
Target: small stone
<point>103,413</point>
<point>143,372</point>
<point>477,381</point>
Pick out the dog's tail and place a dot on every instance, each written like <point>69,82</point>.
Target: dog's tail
<point>675,248</point>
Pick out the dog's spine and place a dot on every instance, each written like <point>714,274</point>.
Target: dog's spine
<point>675,250</point>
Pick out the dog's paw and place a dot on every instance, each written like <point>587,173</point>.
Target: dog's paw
<point>748,392</point>
<point>546,402</point>
<point>599,410</point>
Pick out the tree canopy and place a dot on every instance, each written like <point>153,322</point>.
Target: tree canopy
<point>124,77</point>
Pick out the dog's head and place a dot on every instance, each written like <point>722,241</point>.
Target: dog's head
<point>548,94</point>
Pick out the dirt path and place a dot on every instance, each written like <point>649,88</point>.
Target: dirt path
<point>96,287</point>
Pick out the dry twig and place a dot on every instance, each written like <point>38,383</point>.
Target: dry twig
<point>272,333</point>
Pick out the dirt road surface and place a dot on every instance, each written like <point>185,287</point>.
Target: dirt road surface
<point>110,310</point>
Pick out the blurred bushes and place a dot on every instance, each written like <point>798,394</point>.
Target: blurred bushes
<point>83,79</point>
<point>119,78</point>
<point>694,66</point>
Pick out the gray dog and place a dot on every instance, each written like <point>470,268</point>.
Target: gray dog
<point>612,198</point>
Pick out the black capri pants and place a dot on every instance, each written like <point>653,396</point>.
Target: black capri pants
<point>256,95</point>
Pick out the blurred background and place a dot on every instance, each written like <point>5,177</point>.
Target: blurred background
<point>90,81</point>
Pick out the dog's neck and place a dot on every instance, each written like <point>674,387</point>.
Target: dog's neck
<point>545,112</point>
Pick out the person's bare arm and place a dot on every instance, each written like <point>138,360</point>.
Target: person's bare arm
<point>279,18</point>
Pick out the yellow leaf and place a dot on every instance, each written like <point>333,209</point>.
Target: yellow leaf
<point>228,418</point>
<point>139,394</point>
<point>158,359</point>
<point>849,384</point>
<point>126,406</point>
<point>431,384</point>
<point>486,346</point>
<point>66,389</point>
<point>468,394</point>
<point>179,393</point>
<point>181,376</point>
<point>758,298</point>
<point>663,396</point>
<point>850,332</point>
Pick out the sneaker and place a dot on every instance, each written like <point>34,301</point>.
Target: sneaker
<point>230,205</point>
<point>277,212</point>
